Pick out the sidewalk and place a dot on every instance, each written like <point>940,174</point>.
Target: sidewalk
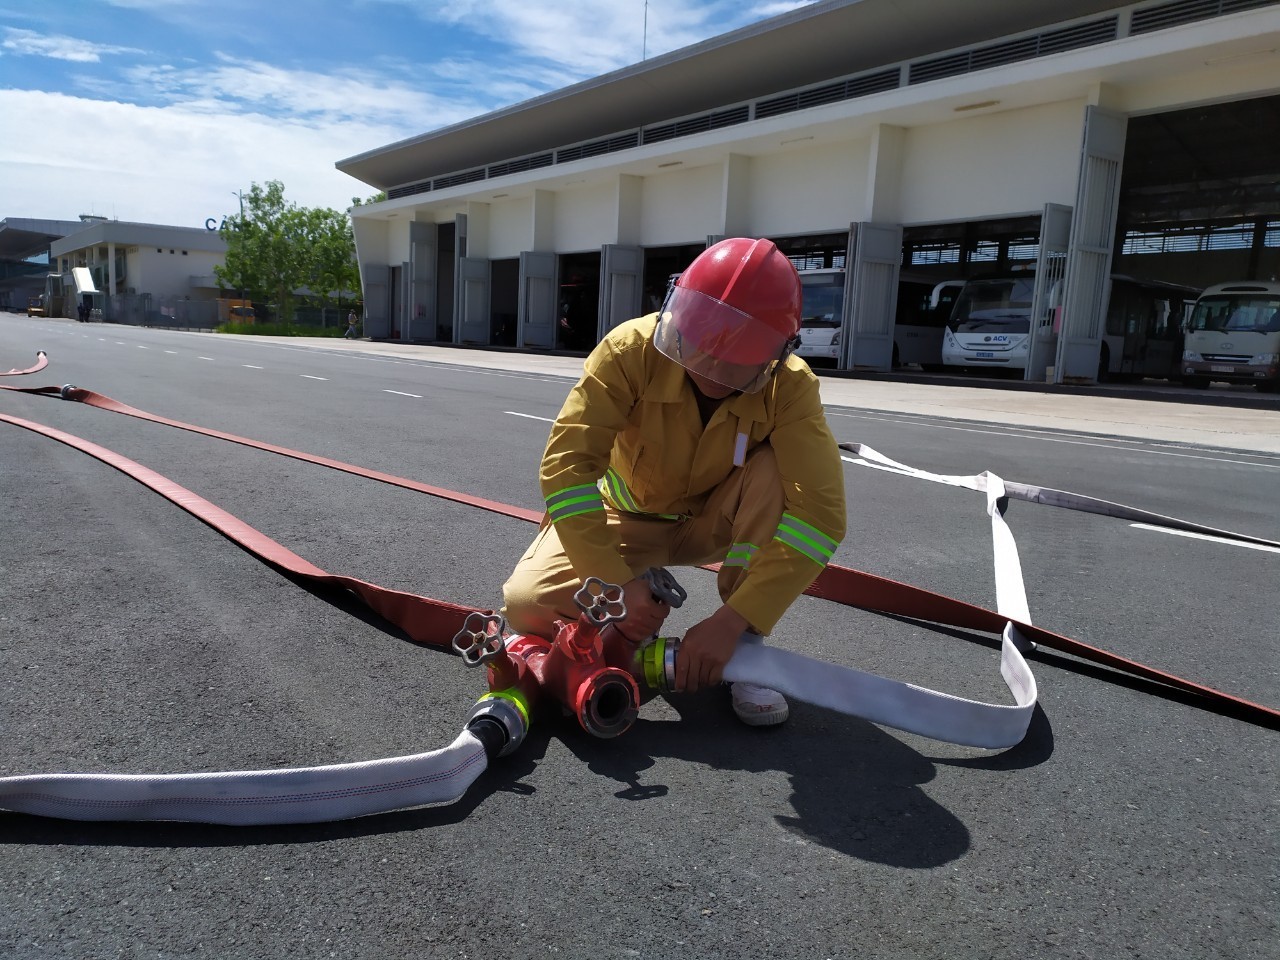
<point>1236,418</point>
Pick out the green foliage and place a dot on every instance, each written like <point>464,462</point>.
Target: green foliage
<point>275,248</point>
<point>278,330</point>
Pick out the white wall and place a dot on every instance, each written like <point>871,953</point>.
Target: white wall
<point>586,217</point>
<point>166,274</point>
<point>1014,161</point>
<point>682,207</point>
<point>812,190</point>
<point>510,228</point>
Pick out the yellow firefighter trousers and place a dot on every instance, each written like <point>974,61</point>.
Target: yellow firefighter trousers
<point>743,512</point>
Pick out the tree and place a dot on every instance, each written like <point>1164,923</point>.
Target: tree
<point>275,247</point>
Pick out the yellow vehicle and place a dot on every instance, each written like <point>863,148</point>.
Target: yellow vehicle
<point>235,311</point>
<point>35,306</point>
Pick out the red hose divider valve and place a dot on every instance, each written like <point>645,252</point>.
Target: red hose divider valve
<point>586,668</point>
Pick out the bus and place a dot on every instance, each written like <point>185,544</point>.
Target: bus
<point>1233,336</point>
<point>821,316</point>
<point>924,307</point>
<point>990,325</point>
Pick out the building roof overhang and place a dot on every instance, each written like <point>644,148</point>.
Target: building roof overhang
<point>808,45</point>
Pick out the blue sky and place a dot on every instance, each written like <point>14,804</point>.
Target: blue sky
<point>158,111</point>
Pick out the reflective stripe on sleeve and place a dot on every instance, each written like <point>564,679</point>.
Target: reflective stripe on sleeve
<point>739,555</point>
<point>572,501</point>
<point>618,491</point>
<point>805,539</point>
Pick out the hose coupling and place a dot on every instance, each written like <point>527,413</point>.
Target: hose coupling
<point>65,392</point>
<point>500,720</point>
<point>655,663</point>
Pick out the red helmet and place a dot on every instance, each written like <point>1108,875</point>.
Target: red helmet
<point>732,314</point>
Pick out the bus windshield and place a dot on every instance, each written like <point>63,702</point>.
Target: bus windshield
<point>1237,313</point>
<point>823,300</point>
<point>987,306</point>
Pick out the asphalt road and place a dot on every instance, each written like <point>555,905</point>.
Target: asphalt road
<point>134,639</point>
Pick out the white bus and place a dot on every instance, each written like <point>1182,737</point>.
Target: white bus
<point>821,316</point>
<point>1234,336</point>
<point>990,325</point>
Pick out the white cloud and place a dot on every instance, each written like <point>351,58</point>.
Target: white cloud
<point>57,46</point>
<point>170,165</point>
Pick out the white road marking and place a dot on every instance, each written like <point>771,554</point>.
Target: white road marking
<point>250,366</point>
<point>141,347</point>
<point>530,416</point>
<point>310,377</point>
<point>1205,536</point>
<point>171,351</point>
<point>206,358</point>
<point>400,393</point>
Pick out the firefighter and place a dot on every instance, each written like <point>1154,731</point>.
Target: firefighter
<point>693,437</point>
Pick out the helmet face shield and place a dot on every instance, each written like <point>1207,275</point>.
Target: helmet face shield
<point>712,339</point>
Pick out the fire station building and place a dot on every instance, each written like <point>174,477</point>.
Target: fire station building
<point>896,144</point>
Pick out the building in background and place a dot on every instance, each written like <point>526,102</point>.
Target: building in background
<point>936,139</point>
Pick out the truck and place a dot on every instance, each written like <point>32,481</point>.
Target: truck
<point>235,311</point>
<point>1233,336</point>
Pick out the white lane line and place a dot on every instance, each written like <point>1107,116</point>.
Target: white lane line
<point>102,339</point>
<point>250,366</point>
<point>171,351</point>
<point>118,343</point>
<point>141,347</point>
<point>206,358</point>
<point>1205,536</point>
<point>1078,443</point>
<point>400,393</point>
<point>530,416</point>
<point>310,377</point>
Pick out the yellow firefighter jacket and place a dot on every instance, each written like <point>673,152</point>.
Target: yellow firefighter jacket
<point>629,434</point>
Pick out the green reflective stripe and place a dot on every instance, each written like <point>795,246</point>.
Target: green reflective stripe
<point>576,507</point>
<point>740,555</point>
<point>802,537</point>
<point>572,501</point>
<point>618,488</point>
<point>571,493</point>
<point>514,695</point>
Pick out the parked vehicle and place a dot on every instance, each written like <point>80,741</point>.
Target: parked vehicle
<point>924,307</point>
<point>821,316</point>
<point>1234,336</point>
<point>35,306</point>
<point>990,325</point>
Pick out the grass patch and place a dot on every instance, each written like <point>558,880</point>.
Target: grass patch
<point>279,330</point>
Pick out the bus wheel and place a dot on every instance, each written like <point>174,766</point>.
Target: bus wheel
<point>1104,361</point>
<point>1196,383</point>
<point>896,361</point>
<point>1267,386</point>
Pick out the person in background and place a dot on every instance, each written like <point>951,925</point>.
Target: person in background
<point>352,320</point>
<point>693,437</point>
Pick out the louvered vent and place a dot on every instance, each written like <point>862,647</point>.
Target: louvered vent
<point>1188,11</point>
<point>829,93</point>
<point>1013,51</point>
<point>521,165</point>
<point>410,190</point>
<point>691,125</point>
<point>454,179</point>
<point>596,147</point>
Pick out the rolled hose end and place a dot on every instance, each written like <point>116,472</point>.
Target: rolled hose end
<point>500,720</point>
<point>608,703</point>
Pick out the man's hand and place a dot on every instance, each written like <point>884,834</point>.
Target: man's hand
<point>645,613</point>
<point>706,648</point>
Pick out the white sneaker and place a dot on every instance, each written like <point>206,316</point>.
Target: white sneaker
<point>758,706</point>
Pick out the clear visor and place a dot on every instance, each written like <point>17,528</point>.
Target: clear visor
<point>708,337</point>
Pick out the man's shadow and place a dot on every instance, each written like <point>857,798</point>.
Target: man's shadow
<point>855,788</point>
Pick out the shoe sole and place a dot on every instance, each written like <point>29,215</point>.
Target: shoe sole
<point>769,718</point>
